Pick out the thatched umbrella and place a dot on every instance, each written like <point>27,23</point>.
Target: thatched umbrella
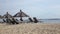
<point>7,16</point>
<point>21,14</point>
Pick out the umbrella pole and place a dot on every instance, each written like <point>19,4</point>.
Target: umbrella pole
<point>7,17</point>
<point>21,19</point>
<point>21,16</point>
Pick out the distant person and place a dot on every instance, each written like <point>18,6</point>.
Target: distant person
<point>35,20</point>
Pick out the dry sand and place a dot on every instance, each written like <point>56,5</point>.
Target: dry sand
<point>35,28</point>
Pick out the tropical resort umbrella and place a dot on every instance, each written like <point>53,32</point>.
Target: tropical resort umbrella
<point>21,14</point>
<point>7,16</point>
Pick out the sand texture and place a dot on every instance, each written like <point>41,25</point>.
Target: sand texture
<point>30,28</point>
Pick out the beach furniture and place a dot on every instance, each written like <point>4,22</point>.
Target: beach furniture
<point>21,19</point>
<point>30,20</point>
<point>4,20</point>
<point>35,19</point>
<point>14,21</point>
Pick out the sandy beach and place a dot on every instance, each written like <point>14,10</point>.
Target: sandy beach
<point>30,28</point>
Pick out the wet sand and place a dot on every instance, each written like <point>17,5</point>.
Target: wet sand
<point>30,28</point>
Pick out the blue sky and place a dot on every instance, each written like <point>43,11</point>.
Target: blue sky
<point>34,8</point>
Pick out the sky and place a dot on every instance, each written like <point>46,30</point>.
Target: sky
<point>34,8</point>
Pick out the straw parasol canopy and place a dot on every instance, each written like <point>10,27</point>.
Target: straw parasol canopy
<point>7,15</point>
<point>21,14</point>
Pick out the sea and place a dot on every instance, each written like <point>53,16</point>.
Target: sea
<point>42,20</point>
<point>50,21</point>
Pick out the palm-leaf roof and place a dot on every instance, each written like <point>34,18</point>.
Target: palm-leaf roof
<point>21,14</point>
<point>7,15</point>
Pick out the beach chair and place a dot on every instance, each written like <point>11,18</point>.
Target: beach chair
<point>8,21</point>
<point>30,20</point>
<point>21,19</point>
<point>4,20</point>
<point>14,21</point>
<point>35,20</point>
<point>11,21</point>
